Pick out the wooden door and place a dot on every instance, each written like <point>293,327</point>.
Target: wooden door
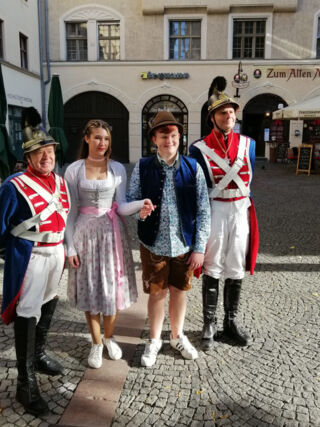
<point>97,105</point>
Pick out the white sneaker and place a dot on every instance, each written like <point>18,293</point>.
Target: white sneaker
<point>114,351</point>
<point>185,347</point>
<point>95,356</point>
<point>151,351</point>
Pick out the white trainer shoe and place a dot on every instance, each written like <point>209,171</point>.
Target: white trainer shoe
<point>151,351</point>
<point>185,347</point>
<point>114,351</point>
<point>95,356</point>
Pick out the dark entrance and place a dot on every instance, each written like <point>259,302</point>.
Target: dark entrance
<point>168,103</point>
<point>205,129</point>
<point>97,105</point>
<point>257,116</point>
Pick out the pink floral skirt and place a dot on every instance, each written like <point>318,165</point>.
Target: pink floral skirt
<point>95,286</point>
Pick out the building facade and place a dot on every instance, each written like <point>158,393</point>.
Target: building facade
<point>20,60</point>
<point>123,61</point>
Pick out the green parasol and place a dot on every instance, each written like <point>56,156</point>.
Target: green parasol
<point>7,158</point>
<point>55,116</point>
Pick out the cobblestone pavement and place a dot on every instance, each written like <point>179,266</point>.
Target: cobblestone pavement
<point>274,382</point>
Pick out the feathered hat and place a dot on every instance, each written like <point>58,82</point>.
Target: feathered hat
<point>33,135</point>
<point>217,98</point>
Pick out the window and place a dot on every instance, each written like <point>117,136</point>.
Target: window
<point>14,115</point>
<point>76,41</point>
<point>184,39</point>
<point>109,41</point>
<point>92,33</point>
<point>249,38</point>
<point>23,51</point>
<point>1,39</point>
<point>318,40</point>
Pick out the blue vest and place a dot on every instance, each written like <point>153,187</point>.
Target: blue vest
<point>152,177</point>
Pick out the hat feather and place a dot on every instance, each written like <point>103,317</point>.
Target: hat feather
<point>218,84</point>
<point>30,117</point>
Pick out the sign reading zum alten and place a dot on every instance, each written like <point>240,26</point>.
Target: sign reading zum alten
<point>148,75</point>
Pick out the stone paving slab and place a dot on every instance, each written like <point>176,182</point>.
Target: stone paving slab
<point>274,382</point>
<point>96,398</point>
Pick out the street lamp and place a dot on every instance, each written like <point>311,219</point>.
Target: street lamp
<point>240,80</point>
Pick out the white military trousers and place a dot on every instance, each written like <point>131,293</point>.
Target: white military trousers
<point>41,280</point>
<point>228,243</point>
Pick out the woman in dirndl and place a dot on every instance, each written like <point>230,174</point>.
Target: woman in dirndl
<point>101,273</point>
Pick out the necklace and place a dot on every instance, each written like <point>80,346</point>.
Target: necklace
<point>96,160</point>
<point>222,148</point>
<point>43,183</point>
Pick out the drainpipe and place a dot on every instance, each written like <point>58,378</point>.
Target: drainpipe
<point>45,32</point>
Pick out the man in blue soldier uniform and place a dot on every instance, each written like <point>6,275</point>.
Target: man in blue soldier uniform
<point>33,211</point>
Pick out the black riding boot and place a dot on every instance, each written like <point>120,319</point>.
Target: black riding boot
<point>44,363</point>
<point>210,291</point>
<point>27,388</point>
<point>232,289</point>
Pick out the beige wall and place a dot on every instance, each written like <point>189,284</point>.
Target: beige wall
<point>22,87</point>
<point>20,17</point>
<point>144,32</point>
<point>292,28</point>
<point>123,81</point>
<point>293,33</point>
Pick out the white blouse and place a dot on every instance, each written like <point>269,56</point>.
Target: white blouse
<point>96,193</point>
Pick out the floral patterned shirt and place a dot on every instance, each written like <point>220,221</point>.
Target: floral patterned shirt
<point>170,241</point>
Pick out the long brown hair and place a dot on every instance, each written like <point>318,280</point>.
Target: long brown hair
<point>94,124</point>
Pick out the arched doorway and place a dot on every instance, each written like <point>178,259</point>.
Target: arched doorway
<point>168,103</point>
<point>257,116</point>
<point>97,105</point>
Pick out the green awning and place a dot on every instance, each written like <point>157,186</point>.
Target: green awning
<point>55,117</point>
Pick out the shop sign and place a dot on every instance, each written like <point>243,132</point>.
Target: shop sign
<point>292,73</point>
<point>148,75</point>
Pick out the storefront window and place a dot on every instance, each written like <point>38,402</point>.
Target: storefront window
<point>248,38</point>
<point>185,40</point>
<point>15,130</point>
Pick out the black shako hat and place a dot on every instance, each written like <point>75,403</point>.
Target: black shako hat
<point>217,98</point>
<point>33,135</point>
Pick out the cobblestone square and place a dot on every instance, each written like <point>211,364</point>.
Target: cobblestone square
<point>274,382</point>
